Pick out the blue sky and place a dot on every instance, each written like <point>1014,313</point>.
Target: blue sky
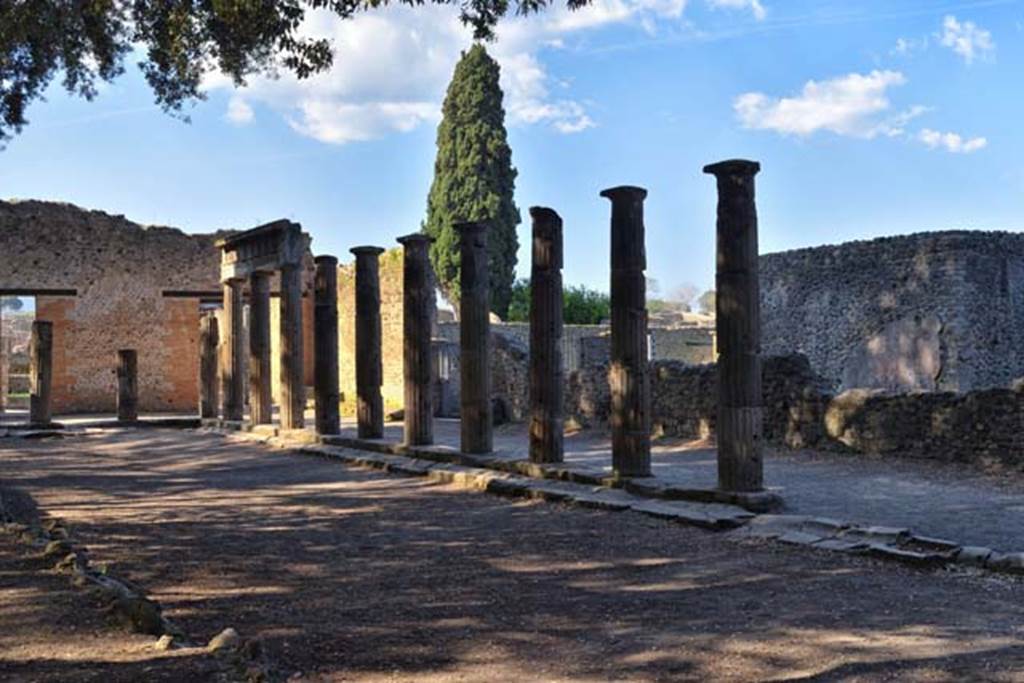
<point>869,117</point>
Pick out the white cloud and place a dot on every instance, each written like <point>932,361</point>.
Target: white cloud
<point>392,67</point>
<point>754,6</point>
<point>951,142</point>
<point>239,112</point>
<point>851,105</point>
<point>906,47</point>
<point>966,39</point>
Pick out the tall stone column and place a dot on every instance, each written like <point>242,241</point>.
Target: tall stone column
<point>369,368</point>
<point>261,405</point>
<point>127,385</point>
<point>628,374</point>
<point>208,388</point>
<point>293,390</point>
<point>738,328</point>
<point>475,410</point>
<point>3,361</point>
<point>233,357</point>
<point>417,320</point>
<point>547,377</point>
<point>41,373</point>
<point>325,346</point>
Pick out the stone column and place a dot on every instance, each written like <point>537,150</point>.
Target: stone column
<point>261,405</point>
<point>369,369</point>
<point>208,389</point>
<point>628,375</point>
<point>547,377</point>
<point>41,373</point>
<point>738,328</point>
<point>475,415</point>
<point>417,321</point>
<point>127,385</point>
<point>325,346</point>
<point>3,361</point>
<point>293,390</point>
<point>233,356</point>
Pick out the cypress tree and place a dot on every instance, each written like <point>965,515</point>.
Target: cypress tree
<point>473,178</point>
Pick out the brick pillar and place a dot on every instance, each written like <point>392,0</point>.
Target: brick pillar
<point>41,373</point>
<point>208,388</point>
<point>738,328</point>
<point>127,385</point>
<point>369,367</point>
<point>325,346</point>
<point>261,405</point>
<point>293,389</point>
<point>547,376</point>
<point>233,352</point>
<point>628,375</point>
<point>417,321</point>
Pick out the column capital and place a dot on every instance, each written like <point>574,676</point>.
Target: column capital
<point>733,167</point>
<point>366,250</point>
<point>325,259</point>
<point>469,228</point>
<point>625,192</point>
<point>415,239</point>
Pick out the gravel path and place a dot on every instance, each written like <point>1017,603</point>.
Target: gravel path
<point>351,575</point>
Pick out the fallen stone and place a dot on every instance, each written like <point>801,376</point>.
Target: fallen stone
<point>58,548</point>
<point>840,546</point>
<point>1011,563</point>
<point>140,614</point>
<point>773,526</point>
<point>973,555</point>
<point>800,538</point>
<point>225,640</point>
<point>165,643</point>
<point>910,557</point>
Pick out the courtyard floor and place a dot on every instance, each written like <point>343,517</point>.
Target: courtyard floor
<point>353,575</point>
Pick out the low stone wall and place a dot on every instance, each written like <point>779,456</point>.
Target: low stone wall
<point>984,427</point>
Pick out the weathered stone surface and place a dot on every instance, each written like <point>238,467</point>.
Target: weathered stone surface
<point>127,385</point>
<point>546,329</point>
<point>629,382</point>
<point>41,373</point>
<point>260,383</point>
<point>419,310</point>
<point>227,639</point>
<point>1012,563</point>
<point>325,344</point>
<point>974,556</point>
<point>738,329</point>
<point>476,418</point>
<point>368,343</point>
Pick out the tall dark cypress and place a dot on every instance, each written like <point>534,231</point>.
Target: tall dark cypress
<point>474,179</point>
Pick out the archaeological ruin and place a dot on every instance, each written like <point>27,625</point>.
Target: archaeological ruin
<point>890,345</point>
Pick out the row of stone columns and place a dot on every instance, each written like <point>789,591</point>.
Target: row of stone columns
<point>738,327</point>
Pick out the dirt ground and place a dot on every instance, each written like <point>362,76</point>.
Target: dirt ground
<point>352,575</point>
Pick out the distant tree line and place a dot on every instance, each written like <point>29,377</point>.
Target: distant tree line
<point>582,306</point>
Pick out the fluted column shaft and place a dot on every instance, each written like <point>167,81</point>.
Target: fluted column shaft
<point>293,388</point>
<point>476,420</point>
<point>369,367</point>
<point>127,385</point>
<point>209,392</point>
<point>325,346</point>
<point>418,307</point>
<point>738,329</point>
<point>41,373</point>
<point>546,307</point>
<point>233,353</point>
<point>260,384</point>
<point>628,375</point>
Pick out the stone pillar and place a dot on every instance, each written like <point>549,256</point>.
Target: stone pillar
<point>293,390</point>
<point>547,377</point>
<point>208,389</point>
<point>369,369</point>
<point>738,328</point>
<point>475,415</point>
<point>325,346</point>
<point>417,320</point>
<point>628,375</point>
<point>3,361</point>
<point>127,385</point>
<point>233,356</point>
<point>261,405</point>
<point>41,373</point>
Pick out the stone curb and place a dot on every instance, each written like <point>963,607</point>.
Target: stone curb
<point>562,485</point>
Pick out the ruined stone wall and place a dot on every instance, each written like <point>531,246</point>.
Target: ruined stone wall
<point>931,311</point>
<point>120,271</point>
